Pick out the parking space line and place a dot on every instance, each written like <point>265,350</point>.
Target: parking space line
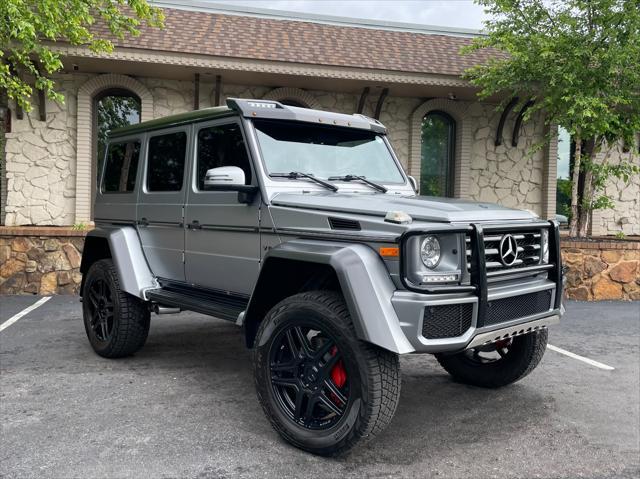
<point>24,312</point>
<point>580,358</point>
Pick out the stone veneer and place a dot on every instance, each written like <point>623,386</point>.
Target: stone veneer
<point>602,270</point>
<point>40,260</point>
<point>625,217</point>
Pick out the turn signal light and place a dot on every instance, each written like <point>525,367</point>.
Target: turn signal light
<point>389,251</point>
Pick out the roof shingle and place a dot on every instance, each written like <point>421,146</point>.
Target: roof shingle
<point>256,38</point>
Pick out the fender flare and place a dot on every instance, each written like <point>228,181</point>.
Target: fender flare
<point>364,282</point>
<point>128,258</point>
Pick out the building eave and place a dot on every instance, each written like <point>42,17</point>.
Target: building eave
<point>207,62</point>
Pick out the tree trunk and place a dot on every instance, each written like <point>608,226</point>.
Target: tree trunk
<point>575,178</point>
<point>585,205</point>
<point>4,104</point>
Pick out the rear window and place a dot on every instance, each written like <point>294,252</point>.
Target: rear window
<point>166,162</point>
<point>121,166</point>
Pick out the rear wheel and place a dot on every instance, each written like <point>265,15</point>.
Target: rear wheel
<point>497,364</point>
<point>322,389</point>
<point>116,323</point>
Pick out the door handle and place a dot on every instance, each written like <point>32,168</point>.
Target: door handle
<point>143,222</point>
<point>195,225</point>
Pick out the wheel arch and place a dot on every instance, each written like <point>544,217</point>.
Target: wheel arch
<point>354,270</point>
<point>122,245</point>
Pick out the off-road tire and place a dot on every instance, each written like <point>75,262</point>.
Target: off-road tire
<point>131,315</point>
<point>524,355</point>
<point>378,385</point>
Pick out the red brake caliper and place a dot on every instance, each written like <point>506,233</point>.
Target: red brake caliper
<point>338,376</point>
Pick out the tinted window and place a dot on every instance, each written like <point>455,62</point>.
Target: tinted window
<point>325,151</point>
<point>121,167</point>
<point>166,162</point>
<point>222,145</point>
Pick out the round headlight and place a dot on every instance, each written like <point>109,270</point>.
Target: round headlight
<point>430,251</point>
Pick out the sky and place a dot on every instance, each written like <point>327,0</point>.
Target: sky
<point>448,13</point>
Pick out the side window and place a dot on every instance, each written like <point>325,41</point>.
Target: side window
<point>121,167</point>
<point>221,145</point>
<point>167,153</point>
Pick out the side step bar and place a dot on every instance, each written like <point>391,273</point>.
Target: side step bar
<point>211,303</point>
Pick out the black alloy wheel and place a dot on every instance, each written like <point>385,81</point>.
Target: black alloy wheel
<point>322,388</point>
<point>100,299</point>
<point>309,377</point>
<point>116,323</point>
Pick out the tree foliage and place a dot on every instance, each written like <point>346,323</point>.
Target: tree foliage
<point>580,61</point>
<point>30,30</point>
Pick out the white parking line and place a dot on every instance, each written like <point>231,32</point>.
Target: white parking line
<point>25,311</point>
<point>580,358</point>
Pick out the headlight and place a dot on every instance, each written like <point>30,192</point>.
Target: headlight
<point>545,245</point>
<point>433,258</point>
<point>430,252</point>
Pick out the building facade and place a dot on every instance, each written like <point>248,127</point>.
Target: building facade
<point>407,77</point>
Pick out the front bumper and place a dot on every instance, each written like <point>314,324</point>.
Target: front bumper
<point>523,301</point>
<point>411,309</point>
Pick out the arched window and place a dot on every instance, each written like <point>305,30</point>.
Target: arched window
<point>114,108</point>
<point>438,137</point>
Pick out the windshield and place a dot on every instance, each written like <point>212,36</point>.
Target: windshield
<point>324,152</point>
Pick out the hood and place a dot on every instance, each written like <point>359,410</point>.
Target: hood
<point>425,208</point>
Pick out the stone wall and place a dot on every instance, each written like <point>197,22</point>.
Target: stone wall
<point>41,159</point>
<point>504,174</point>
<point>40,260</point>
<point>625,217</point>
<point>602,270</point>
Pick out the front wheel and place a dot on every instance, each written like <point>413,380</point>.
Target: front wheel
<point>497,364</point>
<point>320,386</point>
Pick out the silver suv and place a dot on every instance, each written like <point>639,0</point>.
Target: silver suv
<point>301,227</point>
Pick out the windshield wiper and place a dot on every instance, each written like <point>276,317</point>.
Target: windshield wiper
<point>373,185</point>
<point>296,175</point>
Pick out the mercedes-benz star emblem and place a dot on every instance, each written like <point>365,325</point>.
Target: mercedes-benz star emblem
<point>508,250</point>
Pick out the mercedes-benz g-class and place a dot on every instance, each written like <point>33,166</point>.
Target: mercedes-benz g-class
<point>301,227</point>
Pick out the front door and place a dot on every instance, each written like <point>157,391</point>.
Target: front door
<point>161,203</point>
<point>222,242</point>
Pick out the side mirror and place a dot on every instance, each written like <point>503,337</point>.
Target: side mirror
<point>414,183</point>
<point>229,178</point>
<point>224,175</point>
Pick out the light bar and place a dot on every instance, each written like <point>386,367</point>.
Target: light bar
<point>440,278</point>
<point>255,104</point>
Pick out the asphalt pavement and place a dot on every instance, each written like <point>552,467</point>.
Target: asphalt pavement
<point>185,406</point>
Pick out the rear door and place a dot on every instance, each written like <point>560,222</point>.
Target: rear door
<point>161,202</point>
<point>222,249</point>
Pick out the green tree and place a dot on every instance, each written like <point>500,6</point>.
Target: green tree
<point>579,60</point>
<point>29,30</point>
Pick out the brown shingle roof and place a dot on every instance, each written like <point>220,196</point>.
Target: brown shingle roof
<point>305,42</point>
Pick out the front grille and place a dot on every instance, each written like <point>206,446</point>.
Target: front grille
<point>447,320</point>
<point>507,309</point>
<point>528,254</point>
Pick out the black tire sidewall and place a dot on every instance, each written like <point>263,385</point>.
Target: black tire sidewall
<point>102,269</point>
<point>308,314</point>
